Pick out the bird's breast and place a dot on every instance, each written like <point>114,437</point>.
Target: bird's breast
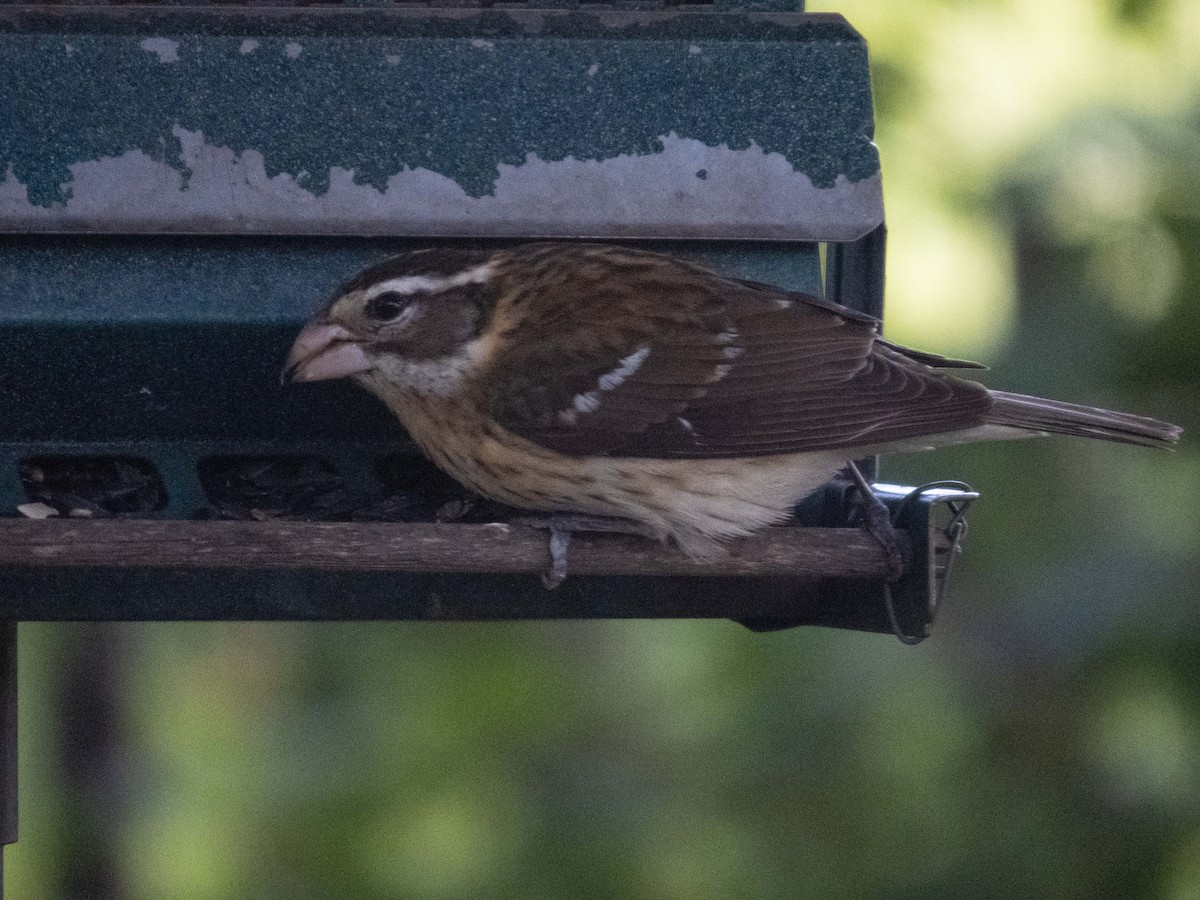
<point>695,501</point>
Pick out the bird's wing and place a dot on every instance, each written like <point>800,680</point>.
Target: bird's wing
<point>721,369</point>
<point>929,359</point>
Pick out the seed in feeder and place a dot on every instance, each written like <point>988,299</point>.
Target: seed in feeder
<point>37,510</point>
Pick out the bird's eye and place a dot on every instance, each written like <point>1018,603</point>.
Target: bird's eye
<point>386,306</point>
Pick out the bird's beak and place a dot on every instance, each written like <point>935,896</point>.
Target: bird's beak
<point>324,351</point>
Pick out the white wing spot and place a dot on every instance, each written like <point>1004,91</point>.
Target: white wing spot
<point>687,426</point>
<point>721,371</point>
<point>589,401</point>
<point>628,366</point>
<point>733,352</point>
<point>783,304</point>
<point>728,336</point>
<point>586,403</point>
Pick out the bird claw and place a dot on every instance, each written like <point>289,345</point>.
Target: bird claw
<point>560,541</point>
<point>877,522</point>
<point>562,525</point>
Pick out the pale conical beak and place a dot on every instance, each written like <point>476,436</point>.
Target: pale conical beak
<point>324,351</point>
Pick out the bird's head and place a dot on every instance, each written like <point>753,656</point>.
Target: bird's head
<point>410,321</point>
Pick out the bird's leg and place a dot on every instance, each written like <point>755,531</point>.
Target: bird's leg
<point>562,525</point>
<point>877,522</point>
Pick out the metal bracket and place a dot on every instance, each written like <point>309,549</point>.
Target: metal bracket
<point>934,516</point>
<point>944,506</point>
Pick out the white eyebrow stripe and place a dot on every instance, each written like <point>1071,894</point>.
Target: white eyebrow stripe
<point>429,284</point>
<point>409,284</point>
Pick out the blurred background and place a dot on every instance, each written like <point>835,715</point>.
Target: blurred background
<point>1042,177</point>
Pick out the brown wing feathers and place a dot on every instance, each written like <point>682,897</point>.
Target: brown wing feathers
<point>716,367</point>
<point>832,385</point>
<point>1057,417</point>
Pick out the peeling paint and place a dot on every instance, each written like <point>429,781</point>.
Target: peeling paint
<point>165,49</point>
<point>744,193</point>
<point>350,121</point>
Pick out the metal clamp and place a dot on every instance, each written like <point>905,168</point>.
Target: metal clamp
<point>954,533</point>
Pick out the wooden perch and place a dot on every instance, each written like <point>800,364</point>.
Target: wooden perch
<point>403,547</point>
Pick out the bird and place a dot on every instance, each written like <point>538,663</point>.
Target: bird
<point>608,386</point>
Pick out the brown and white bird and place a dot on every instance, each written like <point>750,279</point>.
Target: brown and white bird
<point>613,382</point>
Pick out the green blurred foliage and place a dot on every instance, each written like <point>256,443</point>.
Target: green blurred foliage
<point>1042,169</point>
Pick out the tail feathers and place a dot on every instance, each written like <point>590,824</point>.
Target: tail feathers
<point>1054,417</point>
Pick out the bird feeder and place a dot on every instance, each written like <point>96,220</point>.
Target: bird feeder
<point>180,187</point>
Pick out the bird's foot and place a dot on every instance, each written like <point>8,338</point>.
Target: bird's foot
<point>562,525</point>
<point>877,522</point>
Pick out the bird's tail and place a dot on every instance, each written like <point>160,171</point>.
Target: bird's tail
<point>1054,417</point>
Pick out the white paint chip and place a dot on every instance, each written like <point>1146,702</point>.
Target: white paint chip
<point>249,45</point>
<point>293,50</point>
<point>695,49</point>
<point>593,69</point>
<point>481,44</point>
<point>165,49</point>
<point>393,59</point>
